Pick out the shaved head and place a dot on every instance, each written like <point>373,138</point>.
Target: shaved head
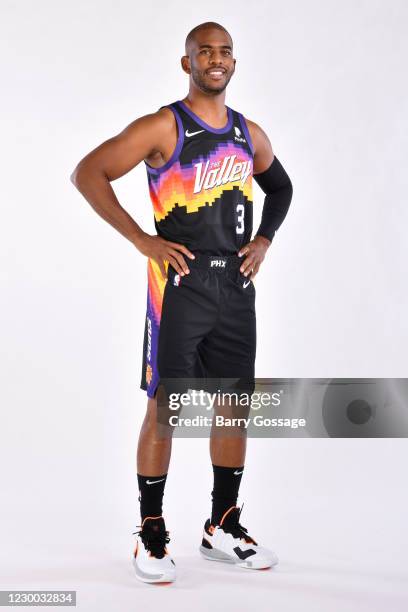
<point>208,25</point>
<point>209,58</point>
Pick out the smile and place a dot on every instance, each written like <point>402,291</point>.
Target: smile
<point>216,73</point>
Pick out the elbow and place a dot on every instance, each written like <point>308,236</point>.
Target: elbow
<point>82,175</point>
<point>72,178</point>
<point>85,173</point>
<point>76,176</point>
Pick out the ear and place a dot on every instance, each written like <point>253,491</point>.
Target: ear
<point>185,64</point>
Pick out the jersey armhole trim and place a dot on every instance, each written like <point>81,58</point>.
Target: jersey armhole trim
<point>177,150</point>
<point>246,132</point>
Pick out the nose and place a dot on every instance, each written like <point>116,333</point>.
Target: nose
<point>216,58</point>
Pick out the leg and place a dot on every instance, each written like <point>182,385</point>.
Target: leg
<point>151,559</point>
<point>224,538</point>
<point>153,451</point>
<point>229,449</point>
<point>153,458</point>
<point>227,452</point>
<point>229,353</point>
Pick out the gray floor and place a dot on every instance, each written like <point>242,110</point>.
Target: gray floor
<point>333,510</point>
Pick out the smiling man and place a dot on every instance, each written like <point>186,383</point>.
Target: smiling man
<point>200,156</point>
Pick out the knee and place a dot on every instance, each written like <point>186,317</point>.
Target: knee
<point>156,421</point>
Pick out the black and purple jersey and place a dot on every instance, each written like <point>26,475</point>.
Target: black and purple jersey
<point>202,197</point>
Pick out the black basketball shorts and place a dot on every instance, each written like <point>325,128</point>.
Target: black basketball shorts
<point>200,326</point>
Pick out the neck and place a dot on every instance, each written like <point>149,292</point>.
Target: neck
<point>209,107</point>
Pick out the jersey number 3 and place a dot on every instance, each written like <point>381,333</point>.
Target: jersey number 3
<point>240,218</point>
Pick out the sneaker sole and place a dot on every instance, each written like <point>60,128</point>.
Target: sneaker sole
<point>153,578</point>
<point>217,555</point>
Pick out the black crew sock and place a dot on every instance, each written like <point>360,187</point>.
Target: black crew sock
<point>225,491</point>
<point>151,491</point>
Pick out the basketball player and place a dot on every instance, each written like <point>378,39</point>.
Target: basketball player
<point>200,156</point>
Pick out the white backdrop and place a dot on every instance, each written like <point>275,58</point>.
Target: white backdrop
<point>326,81</point>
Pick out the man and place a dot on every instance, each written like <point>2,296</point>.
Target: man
<point>200,157</point>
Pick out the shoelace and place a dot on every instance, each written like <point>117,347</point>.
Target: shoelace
<point>154,541</point>
<point>235,528</point>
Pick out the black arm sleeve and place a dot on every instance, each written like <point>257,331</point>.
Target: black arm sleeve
<point>277,186</point>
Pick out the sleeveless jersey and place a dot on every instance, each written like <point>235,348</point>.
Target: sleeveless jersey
<point>202,196</point>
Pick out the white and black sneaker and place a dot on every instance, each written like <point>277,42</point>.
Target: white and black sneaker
<point>151,559</point>
<point>229,542</point>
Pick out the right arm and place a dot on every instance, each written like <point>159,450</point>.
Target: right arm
<point>146,137</point>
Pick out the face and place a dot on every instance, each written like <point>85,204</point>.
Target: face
<point>209,61</point>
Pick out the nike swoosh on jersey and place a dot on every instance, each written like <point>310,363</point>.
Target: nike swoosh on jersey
<point>246,284</point>
<point>238,473</point>
<point>189,134</point>
<point>154,481</point>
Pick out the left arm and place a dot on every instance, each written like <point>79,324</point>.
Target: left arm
<point>276,184</point>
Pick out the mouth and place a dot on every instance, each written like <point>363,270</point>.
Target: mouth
<point>216,73</point>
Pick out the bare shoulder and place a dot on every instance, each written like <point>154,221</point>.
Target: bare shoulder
<point>164,118</point>
<point>151,137</point>
<point>258,135</point>
<point>159,123</point>
<point>263,152</point>
<point>163,128</point>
